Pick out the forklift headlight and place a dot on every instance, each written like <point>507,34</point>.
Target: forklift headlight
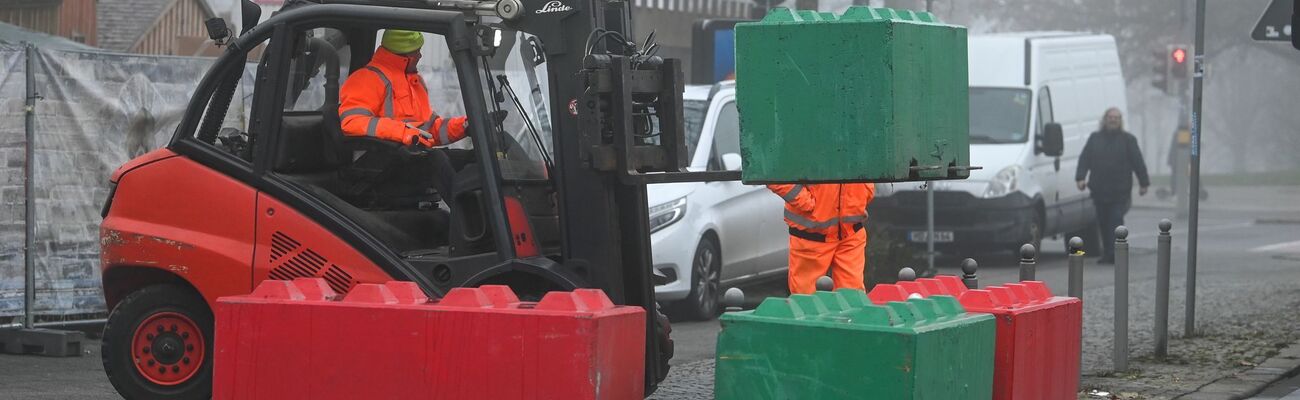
<point>666,214</point>
<point>1006,182</point>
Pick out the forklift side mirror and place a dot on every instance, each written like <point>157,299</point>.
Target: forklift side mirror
<point>731,161</point>
<point>1053,140</point>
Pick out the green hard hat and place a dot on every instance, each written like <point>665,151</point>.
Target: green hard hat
<point>402,42</point>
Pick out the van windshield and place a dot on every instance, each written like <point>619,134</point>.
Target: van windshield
<point>999,115</point>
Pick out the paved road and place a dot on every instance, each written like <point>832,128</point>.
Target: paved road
<point>1237,254</point>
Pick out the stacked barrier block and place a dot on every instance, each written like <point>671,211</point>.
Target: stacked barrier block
<point>838,345</point>
<point>873,94</point>
<point>1038,335</point>
<point>300,340</point>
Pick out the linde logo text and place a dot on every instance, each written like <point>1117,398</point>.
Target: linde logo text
<point>553,6</point>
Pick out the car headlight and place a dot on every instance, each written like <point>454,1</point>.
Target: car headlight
<point>666,214</point>
<point>1005,182</point>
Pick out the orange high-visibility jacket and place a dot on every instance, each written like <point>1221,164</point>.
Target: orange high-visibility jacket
<point>382,100</point>
<point>830,209</point>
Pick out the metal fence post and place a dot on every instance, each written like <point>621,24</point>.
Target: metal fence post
<point>29,193</point>
<point>1028,255</point>
<point>1163,249</point>
<point>1121,299</point>
<point>968,267</point>
<point>1075,261</point>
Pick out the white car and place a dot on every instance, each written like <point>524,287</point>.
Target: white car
<point>709,234</point>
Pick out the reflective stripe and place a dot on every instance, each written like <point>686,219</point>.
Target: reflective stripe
<point>429,124</point>
<point>792,194</point>
<point>356,111</point>
<point>854,218</point>
<point>442,133</point>
<point>807,223</point>
<point>372,127</point>
<point>810,224</point>
<point>388,91</point>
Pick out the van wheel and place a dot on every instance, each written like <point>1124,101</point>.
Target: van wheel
<point>706,278</point>
<point>1033,235</point>
<point>158,345</point>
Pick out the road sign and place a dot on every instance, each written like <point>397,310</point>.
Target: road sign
<point>1275,24</point>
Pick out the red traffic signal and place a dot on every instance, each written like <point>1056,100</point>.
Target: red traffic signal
<point>1179,55</point>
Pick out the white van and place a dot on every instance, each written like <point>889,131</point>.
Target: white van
<point>1022,87</point>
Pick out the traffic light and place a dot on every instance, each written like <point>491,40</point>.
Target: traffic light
<point>1178,62</point>
<point>1160,70</point>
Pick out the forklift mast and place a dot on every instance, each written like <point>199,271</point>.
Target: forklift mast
<point>617,126</point>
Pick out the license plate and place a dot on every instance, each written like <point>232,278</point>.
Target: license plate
<point>921,236</point>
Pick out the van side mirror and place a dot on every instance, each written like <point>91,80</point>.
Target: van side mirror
<point>1053,140</point>
<point>731,161</point>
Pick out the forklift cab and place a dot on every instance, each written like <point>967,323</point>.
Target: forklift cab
<point>448,237</point>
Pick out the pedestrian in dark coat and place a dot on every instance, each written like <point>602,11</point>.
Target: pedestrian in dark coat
<point>1112,157</point>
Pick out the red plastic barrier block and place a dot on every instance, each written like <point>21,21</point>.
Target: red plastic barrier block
<point>1038,335</point>
<point>298,340</point>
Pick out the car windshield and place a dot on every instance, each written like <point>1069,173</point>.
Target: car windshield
<point>999,115</point>
<point>524,94</point>
<point>694,112</point>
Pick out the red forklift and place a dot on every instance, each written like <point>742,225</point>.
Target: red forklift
<point>570,118</point>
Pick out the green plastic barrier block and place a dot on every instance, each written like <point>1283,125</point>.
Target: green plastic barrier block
<point>873,95</point>
<point>837,345</point>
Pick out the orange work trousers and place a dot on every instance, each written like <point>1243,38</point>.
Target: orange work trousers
<point>845,258</point>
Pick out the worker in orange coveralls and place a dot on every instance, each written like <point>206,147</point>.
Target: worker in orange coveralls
<point>826,232</point>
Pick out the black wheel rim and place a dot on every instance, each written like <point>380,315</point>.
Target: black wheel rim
<point>706,286</point>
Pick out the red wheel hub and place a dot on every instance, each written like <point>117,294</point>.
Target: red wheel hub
<point>167,348</point>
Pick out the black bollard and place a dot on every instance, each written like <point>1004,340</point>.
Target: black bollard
<point>906,274</point>
<point>1163,249</point>
<point>1121,299</point>
<point>825,284</point>
<point>968,267</point>
<point>733,300</point>
<point>1028,254</point>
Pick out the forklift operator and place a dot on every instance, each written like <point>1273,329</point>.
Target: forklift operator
<point>387,99</point>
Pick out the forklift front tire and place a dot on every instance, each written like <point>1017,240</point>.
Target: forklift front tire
<point>158,344</point>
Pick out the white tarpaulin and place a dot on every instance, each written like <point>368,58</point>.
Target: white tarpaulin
<point>95,112</point>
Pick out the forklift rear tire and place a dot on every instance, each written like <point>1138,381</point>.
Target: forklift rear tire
<point>157,344</point>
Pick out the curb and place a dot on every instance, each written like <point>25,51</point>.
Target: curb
<point>1253,381</point>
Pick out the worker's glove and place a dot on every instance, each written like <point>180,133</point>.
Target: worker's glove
<point>421,139</point>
